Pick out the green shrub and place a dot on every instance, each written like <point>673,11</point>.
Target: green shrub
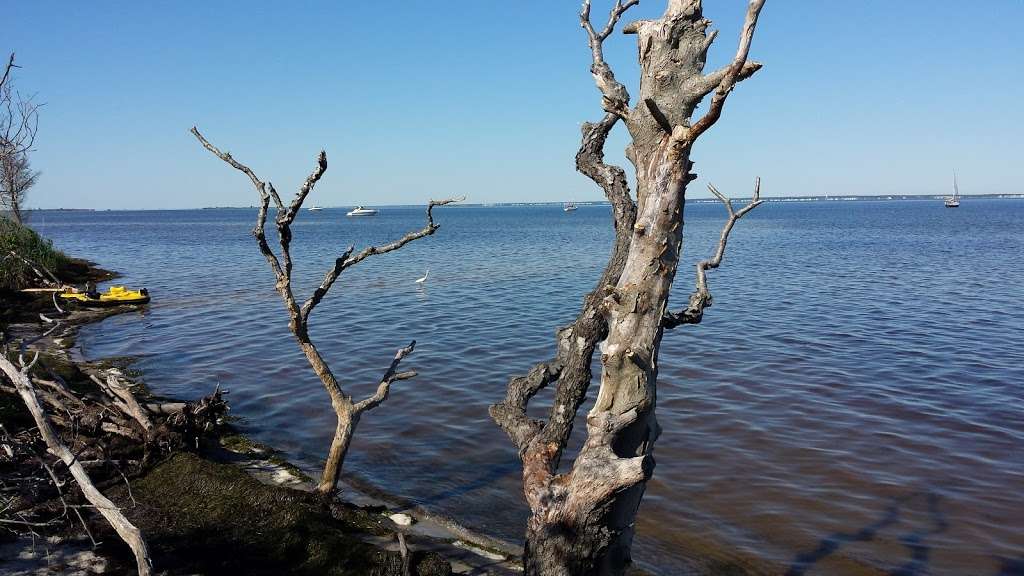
<point>15,274</point>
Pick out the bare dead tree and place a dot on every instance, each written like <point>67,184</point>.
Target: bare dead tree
<point>124,528</point>
<point>16,178</point>
<point>582,521</point>
<point>19,124</point>
<point>348,410</point>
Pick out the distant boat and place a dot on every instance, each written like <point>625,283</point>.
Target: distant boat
<point>360,211</point>
<point>569,207</point>
<point>954,200</point>
<point>315,208</point>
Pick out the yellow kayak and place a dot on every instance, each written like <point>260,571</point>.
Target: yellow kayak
<point>115,296</point>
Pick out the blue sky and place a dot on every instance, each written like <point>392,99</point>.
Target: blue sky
<point>484,98</point>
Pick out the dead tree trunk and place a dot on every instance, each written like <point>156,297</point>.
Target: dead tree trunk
<point>582,521</point>
<point>347,410</point>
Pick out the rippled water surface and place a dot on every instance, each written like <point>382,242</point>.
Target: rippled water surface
<point>852,403</point>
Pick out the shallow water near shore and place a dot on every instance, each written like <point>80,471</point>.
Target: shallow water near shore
<point>850,405</point>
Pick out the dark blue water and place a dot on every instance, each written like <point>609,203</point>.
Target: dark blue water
<point>851,405</point>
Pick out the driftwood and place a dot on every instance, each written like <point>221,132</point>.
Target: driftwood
<point>125,529</point>
<point>42,273</point>
<point>582,520</point>
<point>347,410</point>
<point>125,401</point>
<point>193,419</point>
<point>79,429</point>
<point>117,411</point>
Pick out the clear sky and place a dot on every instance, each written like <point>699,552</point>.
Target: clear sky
<point>416,99</point>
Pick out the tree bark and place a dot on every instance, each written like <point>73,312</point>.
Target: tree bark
<point>582,521</point>
<point>339,449</point>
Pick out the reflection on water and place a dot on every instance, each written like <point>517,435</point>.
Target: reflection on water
<point>915,541</point>
<point>851,404</point>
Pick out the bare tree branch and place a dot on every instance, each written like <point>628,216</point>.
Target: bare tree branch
<point>391,375</point>
<point>346,260</point>
<point>347,411</point>
<point>701,297</point>
<point>60,495</point>
<point>612,179</point>
<point>510,414</point>
<point>427,230</point>
<point>125,529</point>
<point>41,272</point>
<point>265,197</point>
<point>577,342</point>
<point>286,217</point>
<point>615,97</point>
<point>613,18</point>
<point>226,156</point>
<point>732,75</point>
<point>19,124</point>
<point>125,400</point>
<point>321,290</point>
<point>7,71</point>
<point>712,81</point>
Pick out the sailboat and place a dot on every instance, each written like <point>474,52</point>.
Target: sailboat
<point>954,200</point>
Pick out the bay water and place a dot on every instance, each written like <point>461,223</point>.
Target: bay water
<point>852,403</point>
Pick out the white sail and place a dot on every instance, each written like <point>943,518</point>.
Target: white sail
<point>954,200</point>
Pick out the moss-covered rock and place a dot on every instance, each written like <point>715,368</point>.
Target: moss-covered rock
<point>211,518</point>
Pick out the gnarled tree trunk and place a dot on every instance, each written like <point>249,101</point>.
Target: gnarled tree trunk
<point>582,521</point>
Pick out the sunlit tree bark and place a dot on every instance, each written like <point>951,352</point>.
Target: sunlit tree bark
<point>582,520</point>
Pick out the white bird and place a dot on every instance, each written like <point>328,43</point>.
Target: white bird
<point>424,279</point>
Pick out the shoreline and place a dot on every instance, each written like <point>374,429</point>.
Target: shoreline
<point>466,550</point>
<point>893,197</point>
<point>470,551</point>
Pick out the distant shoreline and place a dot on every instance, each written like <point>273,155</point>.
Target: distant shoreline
<point>824,198</point>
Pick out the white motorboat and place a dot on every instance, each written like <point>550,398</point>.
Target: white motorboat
<point>569,207</point>
<point>360,211</point>
<point>315,208</point>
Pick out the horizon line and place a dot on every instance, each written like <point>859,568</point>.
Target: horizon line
<point>701,200</point>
